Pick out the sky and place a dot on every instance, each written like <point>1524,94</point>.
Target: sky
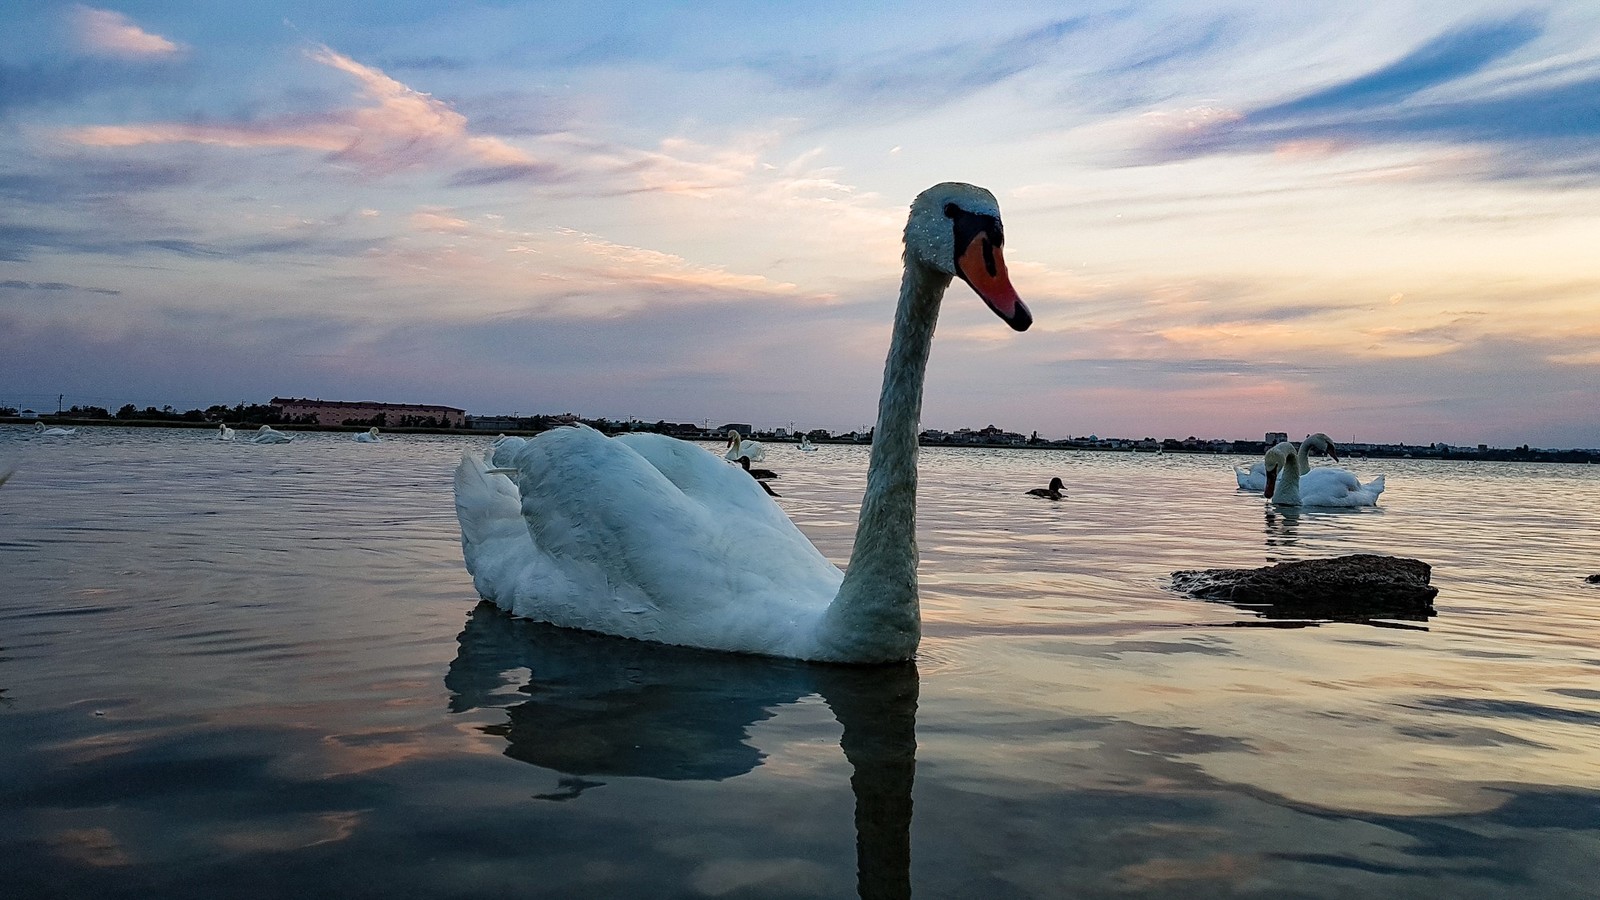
<point>1377,221</point>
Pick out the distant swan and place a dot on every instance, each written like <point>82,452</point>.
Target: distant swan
<point>370,436</point>
<point>267,435</point>
<point>224,433</point>
<point>1287,478</point>
<point>738,447</point>
<point>806,445</point>
<point>38,428</point>
<point>1054,492</point>
<point>653,538</point>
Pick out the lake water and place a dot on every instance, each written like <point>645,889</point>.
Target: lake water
<point>241,671</point>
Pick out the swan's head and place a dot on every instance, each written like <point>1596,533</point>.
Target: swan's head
<point>38,426</point>
<point>1320,441</point>
<point>733,437</point>
<point>955,229</point>
<point>1278,457</point>
<point>373,431</point>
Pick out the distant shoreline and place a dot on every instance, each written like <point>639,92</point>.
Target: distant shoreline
<point>1493,454</point>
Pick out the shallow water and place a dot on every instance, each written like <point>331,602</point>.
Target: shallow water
<point>232,670</point>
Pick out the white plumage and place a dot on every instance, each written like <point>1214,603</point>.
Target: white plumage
<point>266,434</point>
<point>738,446</point>
<point>370,436</point>
<point>1294,482</point>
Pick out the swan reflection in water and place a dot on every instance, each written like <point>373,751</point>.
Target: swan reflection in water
<point>597,705</point>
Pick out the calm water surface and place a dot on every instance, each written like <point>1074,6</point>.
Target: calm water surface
<point>241,671</point>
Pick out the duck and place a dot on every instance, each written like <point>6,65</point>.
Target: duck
<point>370,436</point>
<point>224,433</point>
<point>760,475</point>
<point>1290,480</point>
<point>38,428</point>
<point>648,537</point>
<point>266,434</point>
<point>1055,491</point>
<point>739,447</point>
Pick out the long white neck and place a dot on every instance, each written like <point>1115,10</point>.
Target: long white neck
<point>1287,491</point>
<point>876,617</point>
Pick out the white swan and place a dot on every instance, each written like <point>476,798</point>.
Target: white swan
<point>806,445</point>
<point>1290,480</point>
<point>267,435</point>
<point>370,436</point>
<point>738,446</point>
<point>38,428</point>
<point>649,537</point>
<point>224,433</point>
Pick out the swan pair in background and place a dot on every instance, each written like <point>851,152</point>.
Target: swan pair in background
<point>39,429</point>
<point>1286,478</point>
<point>649,537</point>
<point>806,446</point>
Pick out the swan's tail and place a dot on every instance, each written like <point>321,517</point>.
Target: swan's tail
<point>1375,486</point>
<point>494,537</point>
<point>488,504</point>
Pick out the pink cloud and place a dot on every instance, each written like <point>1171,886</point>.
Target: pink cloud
<point>398,129</point>
<point>110,33</point>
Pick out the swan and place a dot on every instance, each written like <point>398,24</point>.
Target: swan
<point>1290,480</point>
<point>805,444</point>
<point>224,433</point>
<point>739,447</point>
<point>648,537</point>
<point>370,436</point>
<point>38,428</point>
<point>267,435</point>
<point>1055,491</point>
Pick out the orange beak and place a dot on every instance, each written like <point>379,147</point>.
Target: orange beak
<point>982,266</point>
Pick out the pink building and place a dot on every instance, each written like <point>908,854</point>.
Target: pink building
<point>395,415</point>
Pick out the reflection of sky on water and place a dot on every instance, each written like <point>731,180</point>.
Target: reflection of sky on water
<point>260,680</point>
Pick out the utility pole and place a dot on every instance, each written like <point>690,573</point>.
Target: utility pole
<point>58,403</point>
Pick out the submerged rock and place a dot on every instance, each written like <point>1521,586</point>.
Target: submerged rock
<point>1351,588</point>
<point>1593,579</point>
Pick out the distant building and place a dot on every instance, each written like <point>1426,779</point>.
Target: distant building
<point>395,415</point>
<point>1275,438</point>
<point>744,429</point>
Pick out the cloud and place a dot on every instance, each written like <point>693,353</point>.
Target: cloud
<point>103,32</point>
<point>15,285</point>
<point>908,83</point>
<point>1447,91</point>
<point>1449,57</point>
<point>399,129</point>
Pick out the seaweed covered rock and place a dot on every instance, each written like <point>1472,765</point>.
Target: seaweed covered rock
<point>1355,587</point>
